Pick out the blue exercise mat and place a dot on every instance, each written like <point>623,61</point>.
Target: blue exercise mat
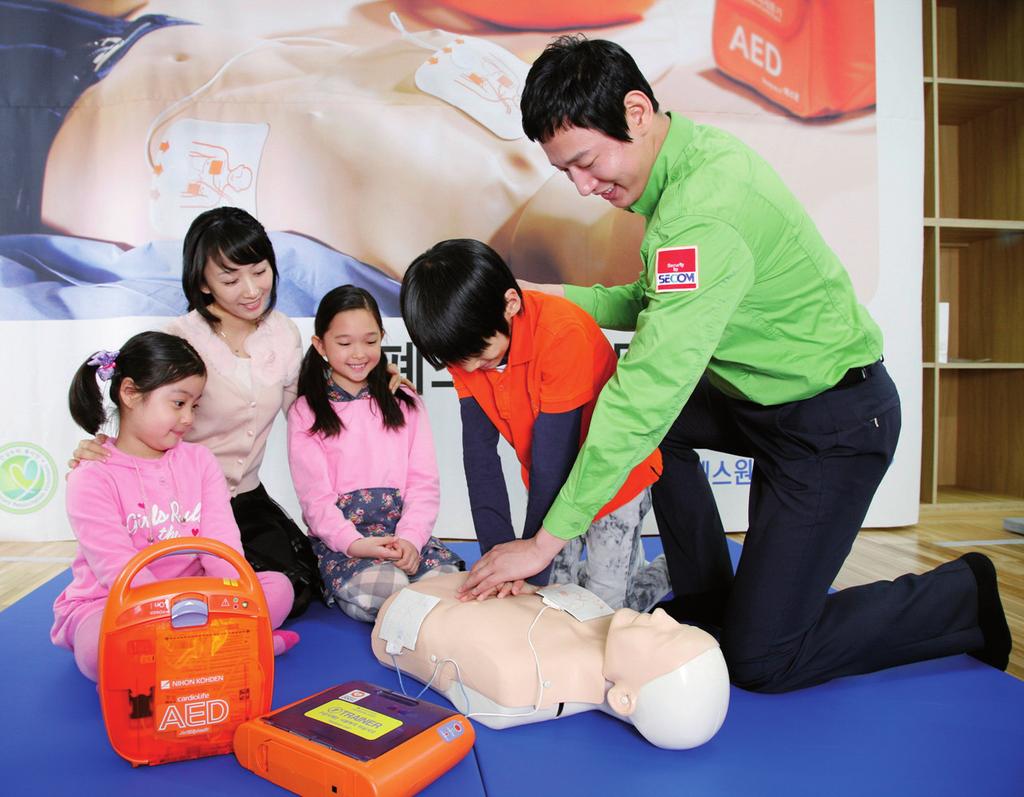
<point>951,726</point>
<point>54,741</point>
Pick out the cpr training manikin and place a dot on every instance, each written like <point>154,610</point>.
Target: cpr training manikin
<point>525,658</point>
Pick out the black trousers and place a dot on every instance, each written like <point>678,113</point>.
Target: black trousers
<point>272,541</point>
<point>817,464</point>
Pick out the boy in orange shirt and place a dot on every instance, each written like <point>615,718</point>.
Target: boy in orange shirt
<point>529,366</point>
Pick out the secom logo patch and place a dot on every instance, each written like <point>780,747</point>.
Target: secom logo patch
<point>676,269</point>
<point>28,478</point>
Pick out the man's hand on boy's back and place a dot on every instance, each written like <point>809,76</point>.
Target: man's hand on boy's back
<point>509,562</point>
<point>553,289</point>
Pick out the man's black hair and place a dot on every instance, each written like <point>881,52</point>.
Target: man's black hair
<point>581,82</point>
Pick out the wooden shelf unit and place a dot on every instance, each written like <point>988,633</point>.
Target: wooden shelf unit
<point>973,403</point>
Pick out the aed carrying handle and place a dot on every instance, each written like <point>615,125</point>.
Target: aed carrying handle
<point>183,546</point>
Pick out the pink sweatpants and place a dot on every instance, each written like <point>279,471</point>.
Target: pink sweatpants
<point>276,588</point>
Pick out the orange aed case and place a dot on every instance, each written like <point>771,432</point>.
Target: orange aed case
<point>812,57</point>
<point>183,661</point>
<point>355,740</point>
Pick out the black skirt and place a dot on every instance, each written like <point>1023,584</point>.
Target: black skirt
<point>272,541</point>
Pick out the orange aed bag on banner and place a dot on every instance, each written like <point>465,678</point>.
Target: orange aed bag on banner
<point>812,57</point>
<point>183,661</point>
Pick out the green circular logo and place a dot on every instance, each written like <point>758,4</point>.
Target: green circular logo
<point>28,478</point>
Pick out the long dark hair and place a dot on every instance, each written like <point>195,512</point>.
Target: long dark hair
<point>149,359</point>
<point>223,234</point>
<point>313,379</point>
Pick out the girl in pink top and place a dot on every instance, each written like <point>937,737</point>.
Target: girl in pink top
<point>151,487</point>
<point>362,460</point>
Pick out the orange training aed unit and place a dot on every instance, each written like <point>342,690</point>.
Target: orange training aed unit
<point>183,661</point>
<point>355,740</point>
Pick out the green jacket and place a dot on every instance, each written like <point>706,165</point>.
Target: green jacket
<point>737,282</point>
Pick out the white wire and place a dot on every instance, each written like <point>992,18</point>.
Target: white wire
<point>398,672</point>
<point>540,678</point>
<point>177,105</point>
<point>419,694</point>
<point>412,38</point>
<point>174,107</point>
<point>462,685</point>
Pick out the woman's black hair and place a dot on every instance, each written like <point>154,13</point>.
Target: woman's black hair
<point>315,373</point>
<point>581,82</point>
<point>149,359</point>
<point>226,236</point>
<point>453,300</point>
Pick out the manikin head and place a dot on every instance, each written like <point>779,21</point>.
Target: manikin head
<point>669,680</point>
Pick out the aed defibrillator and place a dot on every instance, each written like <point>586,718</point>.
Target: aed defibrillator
<point>812,57</point>
<point>354,740</point>
<point>183,661</point>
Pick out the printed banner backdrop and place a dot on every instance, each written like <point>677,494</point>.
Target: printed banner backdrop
<point>360,133</point>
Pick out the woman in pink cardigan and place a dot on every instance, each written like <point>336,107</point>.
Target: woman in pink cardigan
<point>252,354</point>
<point>362,461</point>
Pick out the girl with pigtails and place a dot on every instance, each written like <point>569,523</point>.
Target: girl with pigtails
<point>362,461</point>
<point>151,486</point>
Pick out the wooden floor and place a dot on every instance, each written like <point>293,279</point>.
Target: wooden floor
<point>962,523</point>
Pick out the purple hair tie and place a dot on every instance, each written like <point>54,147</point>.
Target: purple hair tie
<point>105,361</point>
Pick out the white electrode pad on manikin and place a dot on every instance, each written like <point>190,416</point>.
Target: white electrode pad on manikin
<point>197,165</point>
<point>478,77</point>
<point>401,626</point>
<point>572,598</point>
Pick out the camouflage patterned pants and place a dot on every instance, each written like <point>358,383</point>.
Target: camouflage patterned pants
<point>615,569</point>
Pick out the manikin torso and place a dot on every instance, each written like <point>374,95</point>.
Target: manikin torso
<point>488,640</point>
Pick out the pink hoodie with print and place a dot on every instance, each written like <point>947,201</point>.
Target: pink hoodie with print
<point>118,507</point>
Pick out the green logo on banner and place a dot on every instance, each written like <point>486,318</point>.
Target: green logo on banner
<point>28,478</point>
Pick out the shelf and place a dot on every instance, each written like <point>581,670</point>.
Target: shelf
<point>963,100</point>
<point>963,232</point>
<point>976,39</point>
<point>972,446</point>
<point>980,438</point>
<point>950,496</point>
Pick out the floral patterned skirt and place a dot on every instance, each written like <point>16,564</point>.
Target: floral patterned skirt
<point>375,512</point>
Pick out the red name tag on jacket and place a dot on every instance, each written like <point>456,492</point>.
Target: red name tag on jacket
<point>676,269</point>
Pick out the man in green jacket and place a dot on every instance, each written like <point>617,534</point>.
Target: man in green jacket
<point>748,340</point>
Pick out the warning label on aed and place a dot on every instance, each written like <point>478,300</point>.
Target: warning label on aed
<point>359,721</point>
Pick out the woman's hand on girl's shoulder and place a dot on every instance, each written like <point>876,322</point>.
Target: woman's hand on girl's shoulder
<point>397,380</point>
<point>90,450</point>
